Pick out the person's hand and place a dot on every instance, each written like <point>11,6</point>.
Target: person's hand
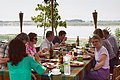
<point>37,58</point>
<point>56,45</point>
<point>34,77</point>
<point>4,60</point>
<point>45,50</point>
<point>92,69</point>
<point>65,38</point>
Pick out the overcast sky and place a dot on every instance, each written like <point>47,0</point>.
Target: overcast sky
<point>68,9</point>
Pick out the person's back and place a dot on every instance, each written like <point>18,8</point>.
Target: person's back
<point>112,41</point>
<point>108,46</point>
<point>56,40</point>
<point>20,64</point>
<point>114,44</point>
<point>23,69</point>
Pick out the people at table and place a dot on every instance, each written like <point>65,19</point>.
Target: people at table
<point>108,46</point>
<point>4,49</point>
<point>112,40</point>
<point>20,64</point>
<point>60,38</point>
<point>30,45</point>
<point>31,50</point>
<point>3,55</point>
<point>23,37</point>
<point>47,42</point>
<point>101,69</point>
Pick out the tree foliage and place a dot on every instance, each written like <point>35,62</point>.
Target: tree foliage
<point>43,19</point>
<point>117,34</point>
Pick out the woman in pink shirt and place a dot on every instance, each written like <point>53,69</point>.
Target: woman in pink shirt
<point>30,48</point>
<point>101,69</point>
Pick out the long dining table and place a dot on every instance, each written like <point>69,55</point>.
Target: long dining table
<point>76,72</point>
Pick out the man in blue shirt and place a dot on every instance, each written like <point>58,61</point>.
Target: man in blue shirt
<point>60,38</point>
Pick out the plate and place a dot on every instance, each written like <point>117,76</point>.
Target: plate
<point>46,60</point>
<point>49,65</point>
<point>76,64</point>
<point>86,57</point>
<point>58,48</point>
<point>54,60</point>
<point>55,73</point>
<point>55,50</point>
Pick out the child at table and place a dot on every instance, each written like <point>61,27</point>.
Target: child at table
<point>20,64</point>
<point>101,69</point>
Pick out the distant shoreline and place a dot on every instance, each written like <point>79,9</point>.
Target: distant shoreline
<point>69,23</point>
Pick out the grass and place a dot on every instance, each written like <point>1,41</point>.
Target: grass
<point>9,37</point>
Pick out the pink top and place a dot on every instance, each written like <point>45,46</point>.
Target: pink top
<point>102,50</point>
<point>30,49</point>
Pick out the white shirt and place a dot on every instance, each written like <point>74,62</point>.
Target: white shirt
<point>102,50</point>
<point>45,44</point>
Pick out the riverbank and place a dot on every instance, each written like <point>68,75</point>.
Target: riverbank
<point>73,22</point>
<point>8,37</point>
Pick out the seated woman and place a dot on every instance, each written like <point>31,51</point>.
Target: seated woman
<point>20,64</point>
<point>4,49</point>
<point>108,46</point>
<point>101,69</point>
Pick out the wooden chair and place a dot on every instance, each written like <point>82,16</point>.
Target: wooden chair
<point>118,61</point>
<point>118,78</point>
<point>116,73</point>
<point>118,57</point>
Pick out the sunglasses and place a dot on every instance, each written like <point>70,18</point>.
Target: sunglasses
<point>35,38</point>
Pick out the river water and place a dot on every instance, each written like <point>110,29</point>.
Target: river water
<point>72,31</point>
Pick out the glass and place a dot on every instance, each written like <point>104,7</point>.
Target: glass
<point>75,53</point>
<point>61,68</point>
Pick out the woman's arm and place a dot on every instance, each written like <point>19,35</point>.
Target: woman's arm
<point>3,60</point>
<point>101,62</point>
<point>36,66</point>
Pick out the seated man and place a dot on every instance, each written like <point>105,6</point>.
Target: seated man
<point>47,42</point>
<point>60,38</point>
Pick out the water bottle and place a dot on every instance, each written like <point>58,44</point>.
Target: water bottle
<point>66,64</point>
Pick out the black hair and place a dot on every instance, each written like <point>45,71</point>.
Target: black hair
<point>49,33</point>
<point>62,33</point>
<point>99,32</point>
<point>32,36</point>
<point>22,36</point>
<point>105,31</point>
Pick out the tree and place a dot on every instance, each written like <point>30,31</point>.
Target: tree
<point>117,34</point>
<point>44,17</point>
